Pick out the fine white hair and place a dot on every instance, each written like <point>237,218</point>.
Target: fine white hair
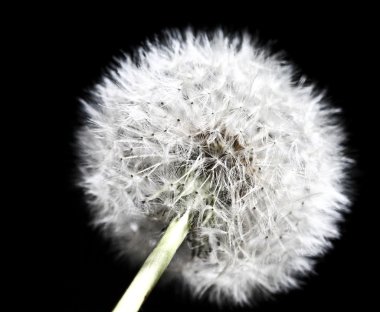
<point>215,124</point>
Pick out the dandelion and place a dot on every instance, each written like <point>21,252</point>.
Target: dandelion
<point>208,139</point>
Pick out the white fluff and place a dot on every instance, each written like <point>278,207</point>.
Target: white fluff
<point>214,124</point>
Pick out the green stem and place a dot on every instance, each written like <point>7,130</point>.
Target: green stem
<point>154,265</point>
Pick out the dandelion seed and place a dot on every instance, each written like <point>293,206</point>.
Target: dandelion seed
<point>251,146</point>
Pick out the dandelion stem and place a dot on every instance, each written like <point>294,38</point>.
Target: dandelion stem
<point>154,265</point>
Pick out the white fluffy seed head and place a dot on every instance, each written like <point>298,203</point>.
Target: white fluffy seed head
<point>213,124</point>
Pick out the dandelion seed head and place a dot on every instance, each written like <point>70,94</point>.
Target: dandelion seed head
<point>217,125</point>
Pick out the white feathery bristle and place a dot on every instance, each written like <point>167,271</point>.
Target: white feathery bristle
<point>214,124</point>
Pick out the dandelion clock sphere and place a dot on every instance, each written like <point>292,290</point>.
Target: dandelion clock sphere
<point>213,128</point>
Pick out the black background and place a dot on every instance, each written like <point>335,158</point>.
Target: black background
<point>72,52</point>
